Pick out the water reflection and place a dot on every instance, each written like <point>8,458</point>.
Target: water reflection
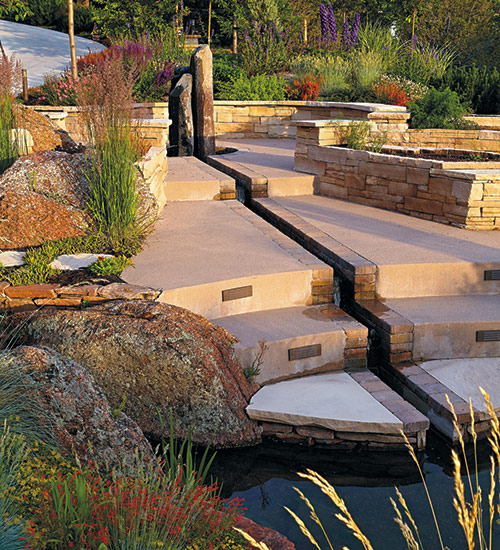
<point>265,477</point>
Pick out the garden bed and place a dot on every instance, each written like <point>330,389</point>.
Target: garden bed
<point>451,193</point>
<point>458,156</point>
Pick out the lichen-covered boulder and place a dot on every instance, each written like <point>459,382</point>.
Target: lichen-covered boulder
<point>162,358</point>
<point>81,417</point>
<point>271,538</point>
<point>44,196</point>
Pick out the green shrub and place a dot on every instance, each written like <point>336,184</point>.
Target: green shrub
<point>265,50</point>
<point>438,109</point>
<point>477,87</point>
<point>420,63</point>
<point>256,88</point>
<point>225,69</point>
<point>109,266</point>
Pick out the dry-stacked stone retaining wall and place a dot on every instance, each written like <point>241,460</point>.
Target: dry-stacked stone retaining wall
<point>465,194</point>
<point>32,297</point>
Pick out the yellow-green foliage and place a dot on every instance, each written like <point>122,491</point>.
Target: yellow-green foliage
<point>42,465</point>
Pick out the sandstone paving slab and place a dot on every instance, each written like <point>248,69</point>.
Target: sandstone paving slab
<point>190,179</point>
<point>298,340</point>
<point>414,257</point>
<point>72,262</point>
<point>464,377</point>
<point>12,258</point>
<point>201,248</point>
<point>446,327</point>
<point>265,162</point>
<point>333,401</point>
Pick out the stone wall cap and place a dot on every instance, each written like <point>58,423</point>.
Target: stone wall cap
<point>369,107</point>
<point>160,122</point>
<point>324,123</point>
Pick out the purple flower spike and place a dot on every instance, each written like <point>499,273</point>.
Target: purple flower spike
<point>332,25</point>
<point>354,30</point>
<point>323,14</point>
<point>345,34</point>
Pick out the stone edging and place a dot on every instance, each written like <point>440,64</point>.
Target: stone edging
<point>428,394</point>
<point>32,297</point>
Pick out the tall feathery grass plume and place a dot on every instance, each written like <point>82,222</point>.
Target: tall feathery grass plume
<point>105,97</point>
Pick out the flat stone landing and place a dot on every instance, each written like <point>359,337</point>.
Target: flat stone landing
<point>190,179</point>
<point>427,384</point>
<point>298,341</point>
<point>339,409</point>
<point>263,167</point>
<point>217,258</point>
<point>385,254</point>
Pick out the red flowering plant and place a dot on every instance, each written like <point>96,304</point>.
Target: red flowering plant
<point>306,88</point>
<point>88,511</point>
<point>390,93</point>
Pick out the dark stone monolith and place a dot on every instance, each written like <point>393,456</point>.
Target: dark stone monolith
<point>181,133</point>
<point>203,102</point>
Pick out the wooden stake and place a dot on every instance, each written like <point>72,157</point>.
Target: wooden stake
<point>25,85</point>
<point>235,36</point>
<point>71,21</point>
<point>209,23</point>
<point>304,31</point>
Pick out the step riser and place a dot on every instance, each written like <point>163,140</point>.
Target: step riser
<point>444,341</point>
<point>278,361</point>
<point>415,280</point>
<point>191,191</point>
<point>271,291</point>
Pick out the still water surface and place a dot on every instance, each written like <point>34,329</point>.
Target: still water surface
<point>265,477</point>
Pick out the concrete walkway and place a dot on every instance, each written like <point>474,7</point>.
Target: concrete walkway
<point>41,51</point>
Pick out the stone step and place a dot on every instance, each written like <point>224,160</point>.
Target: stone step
<point>217,258</point>
<point>436,327</point>
<point>337,408</point>
<point>382,254</point>
<point>264,171</point>
<point>442,388</point>
<point>190,179</point>
<point>289,342</point>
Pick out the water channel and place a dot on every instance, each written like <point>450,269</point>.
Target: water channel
<point>265,477</point>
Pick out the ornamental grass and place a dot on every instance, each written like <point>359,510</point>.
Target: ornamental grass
<point>10,76</point>
<point>476,512</point>
<point>106,97</point>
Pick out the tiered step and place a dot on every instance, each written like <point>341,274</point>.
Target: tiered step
<point>345,410</point>
<point>431,292</point>
<point>264,170</point>
<point>442,389</point>
<point>190,179</point>
<point>436,327</point>
<point>296,341</point>
<point>217,258</point>
<point>413,280</point>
